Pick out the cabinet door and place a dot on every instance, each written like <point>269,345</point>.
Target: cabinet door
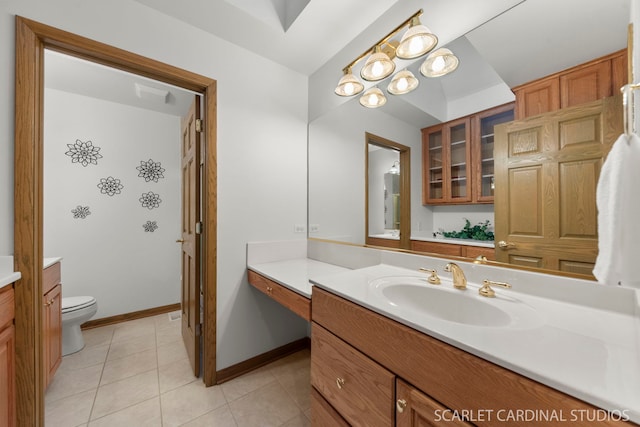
<point>482,154</point>
<point>414,408</point>
<point>446,151</point>
<point>585,84</point>
<point>432,166</point>
<point>436,247</point>
<point>7,376</point>
<point>52,302</point>
<point>537,98</point>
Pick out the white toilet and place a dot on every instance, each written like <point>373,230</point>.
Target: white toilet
<point>75,311</point>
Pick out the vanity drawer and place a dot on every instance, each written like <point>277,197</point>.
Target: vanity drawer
<point>6,306</point>
<point>357,387</point>
<point>322,414</point>
<point>293,301</point>
<point>50,277</point>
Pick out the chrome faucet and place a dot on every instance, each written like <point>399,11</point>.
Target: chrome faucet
<point>459,279</point>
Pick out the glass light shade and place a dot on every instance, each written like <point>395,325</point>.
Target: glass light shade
<point>373,98</point>
<point>395,169</point>
<point>416,41</point>
<point>438,63</point>
<point>378,66</point>
<point>349,85</point>
<point>403,82</point>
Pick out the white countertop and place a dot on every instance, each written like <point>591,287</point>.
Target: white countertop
<point>465,242</point>
<point>295,273</point>
<point>590,353</point>
<point>7,275</point>
<point>48,262</point>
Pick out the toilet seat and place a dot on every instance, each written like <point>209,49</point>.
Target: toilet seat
<point>70,304</point>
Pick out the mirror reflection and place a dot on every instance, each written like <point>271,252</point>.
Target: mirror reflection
<point>486,78</point>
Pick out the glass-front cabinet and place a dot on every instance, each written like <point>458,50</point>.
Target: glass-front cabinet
<point>484,123</point>
<point>447,153</point>
<point>458,166</point>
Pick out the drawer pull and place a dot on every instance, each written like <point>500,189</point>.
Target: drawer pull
<point>340,382</point>
<point>269,290</point>
<point>401,404</point>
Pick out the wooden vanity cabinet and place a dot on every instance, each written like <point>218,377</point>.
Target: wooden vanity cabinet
<point>453,249</point>
<point>367,350</point>
<point>7,357</point>
<point>591,81</point>
<point>51,321</point>
<point>295,302</point>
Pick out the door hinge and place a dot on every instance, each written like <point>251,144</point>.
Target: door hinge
<point>198,125</point>
<point>199,329</point>
<point>199,227</point>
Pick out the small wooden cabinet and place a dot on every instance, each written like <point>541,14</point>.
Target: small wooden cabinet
<point>591,81</point>
<point>457,163</point>
<point>416,409</point>
<point>51,320</point>
<point>7,357</point>
<point>295,302</point>
<point>453,249</point>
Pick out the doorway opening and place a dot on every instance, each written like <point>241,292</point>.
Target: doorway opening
<point>32,39</point>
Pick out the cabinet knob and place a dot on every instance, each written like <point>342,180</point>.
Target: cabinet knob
<point>401,404</point>
<point>339,382</point>
<point>506,245</point>
<point>269,290</point>
<point>180,241</point>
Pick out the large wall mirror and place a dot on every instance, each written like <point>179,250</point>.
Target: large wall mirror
<point>504,52</point>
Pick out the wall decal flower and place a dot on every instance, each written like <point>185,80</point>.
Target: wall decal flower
<point>81,212</point>
<point>84,153</point>
<point>150,226</point>
<point>150,200</point>
<point>110,186</point>
<point>150,170</point>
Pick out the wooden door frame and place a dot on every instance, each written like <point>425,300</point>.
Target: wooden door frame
<point>32,38</point>
<point>405,186</point>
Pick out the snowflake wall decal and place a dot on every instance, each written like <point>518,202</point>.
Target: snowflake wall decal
<point>150,200</point>
<point>81,212</point>
<point>150,170</point>
<point>110,186</point>
<point>150,226</point>
<point>84,153</point>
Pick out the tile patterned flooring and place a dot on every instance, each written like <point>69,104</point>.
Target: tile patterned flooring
<point>137,374</point>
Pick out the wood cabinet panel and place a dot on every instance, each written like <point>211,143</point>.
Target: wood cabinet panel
<point>416,409</point>
<point>437,248</point>
<point>295,302</point>
<point>476,251</point>
<point>619,70</point>
<point>358,388</point>
<point>456,379</point>
<point>585,84</point>
<point>52,328</point>
<point>538,97</point>
<point>385,243</point>
<point>322,414</point>
<point>7,357</point>
<point>51,276</point>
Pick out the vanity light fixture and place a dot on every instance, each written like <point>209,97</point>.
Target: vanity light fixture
<point>440,62</point>
<point>417,41</point>
<point>373,98</point>
<point>349,85</point>
<point>403,82</point>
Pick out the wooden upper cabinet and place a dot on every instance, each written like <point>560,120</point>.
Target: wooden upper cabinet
<point>457,164</point>
<point>581,84</point>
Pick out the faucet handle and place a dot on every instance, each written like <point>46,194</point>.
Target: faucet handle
<point>486,290</point>
<point>433,278</point>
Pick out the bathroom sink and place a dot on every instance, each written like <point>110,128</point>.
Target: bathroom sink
<point>466,307</point>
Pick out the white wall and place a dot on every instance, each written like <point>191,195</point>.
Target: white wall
<point>108,254</point>
<point>337,169</point>
<point>451,218</point>
<point>262,125</point>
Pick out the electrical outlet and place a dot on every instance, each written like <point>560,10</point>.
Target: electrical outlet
<point>299,228</point>
<point>314,228</point>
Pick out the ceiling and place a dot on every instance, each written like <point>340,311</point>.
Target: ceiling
<point>500,43</point>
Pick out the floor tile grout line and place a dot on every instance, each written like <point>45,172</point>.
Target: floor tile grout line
<point>95,396</point>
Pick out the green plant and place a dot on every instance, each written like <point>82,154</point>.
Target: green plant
<point>479,231</point>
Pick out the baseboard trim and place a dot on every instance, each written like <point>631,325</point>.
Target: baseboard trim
<point>260,360</point>
<point>119,318</point>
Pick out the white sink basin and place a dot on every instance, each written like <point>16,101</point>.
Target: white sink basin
<point>443,302</point>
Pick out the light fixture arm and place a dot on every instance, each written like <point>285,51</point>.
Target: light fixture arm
<point>383,41</point>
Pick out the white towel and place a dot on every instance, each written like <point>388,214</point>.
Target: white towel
<point>618,201</point>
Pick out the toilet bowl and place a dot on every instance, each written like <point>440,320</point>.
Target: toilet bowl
<point>75,311</point>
